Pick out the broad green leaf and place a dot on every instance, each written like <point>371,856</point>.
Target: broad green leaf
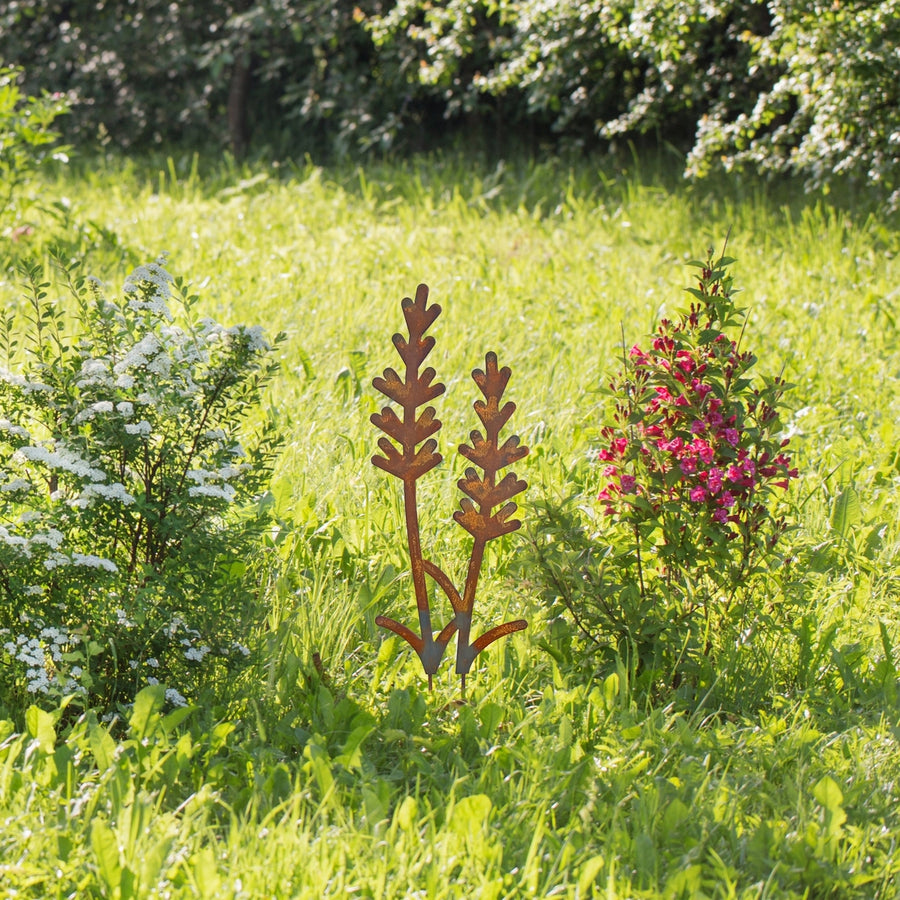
<point>470,814</point>
<point>377,801</point>
<point>147,704</point>
<point>103,747</point>
<point>306,363</point>
<point>206,874</point>
<point>676,813</point>
<point>828,793</point>
<point>645,855</point>
<point>127,884</point>
<point>588,875</point>
<point>40,726</point>
<point>491,715</point>
<point>218,737</point>
<point>406,814</point>
<point>847,512</point>
<point>686,882</point>
<point>886,644</point>
<point>611,690</point>
<point>153,861</point>
<point>351,756</point>
<point>106,852</point>
<point>176,717</point>
<point>319,763</point>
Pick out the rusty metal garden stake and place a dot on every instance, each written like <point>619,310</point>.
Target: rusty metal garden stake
<point>483,492</point>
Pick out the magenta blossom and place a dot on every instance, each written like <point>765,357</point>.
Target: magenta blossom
<point>672,446</point>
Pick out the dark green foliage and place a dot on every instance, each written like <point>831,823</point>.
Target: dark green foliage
<point>130,73</point>
<point>162,71</point>
<point>807,88</point>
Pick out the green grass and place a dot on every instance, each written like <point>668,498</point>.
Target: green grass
<point>558,778</point>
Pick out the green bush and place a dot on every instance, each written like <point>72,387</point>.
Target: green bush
<point>129,74</point>
<point>300,75</point>
<point>27,142</point>
<point>828,106</point>
<point>583,70</point>
<point>130,501</point>
<point>806,88</point>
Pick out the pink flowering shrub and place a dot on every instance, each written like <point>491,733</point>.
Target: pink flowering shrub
<point>692,463</point>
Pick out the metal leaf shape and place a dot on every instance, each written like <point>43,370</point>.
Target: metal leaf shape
<point>486,510</point>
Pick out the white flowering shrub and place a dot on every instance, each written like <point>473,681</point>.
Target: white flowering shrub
<point>131,488</point>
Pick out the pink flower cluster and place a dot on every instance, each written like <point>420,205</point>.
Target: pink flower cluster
<point>686,433</point>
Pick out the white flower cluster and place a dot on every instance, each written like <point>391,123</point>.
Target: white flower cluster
<point>186,348</point>
<point>175,625</point>
<point>16,542</point>
<point>253,335</point>
<point>26,386</point>
<point>191,652</point>
<point>61,458</point>
<point>148,353</point>
<point>204,488</point>
<point>172,696</point>
<point>94,373</point>
<point>103,407</point>
<point>195,654</point>
<point>85,560</point>
<point>115,491</point>
<point>67,460</point>
<point>149,289</point>
<point>142,428</point>
<point>215,484</point>
<point>175,698</point>
<point>25,546</point>
<point>14,430</point>
<point>237,647</point>
<point>51,538</point>
<point>41,656</point>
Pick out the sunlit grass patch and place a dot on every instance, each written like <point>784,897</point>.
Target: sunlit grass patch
<point>327,769</point>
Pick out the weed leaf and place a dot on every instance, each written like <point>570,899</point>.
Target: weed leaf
<point>847,512</point>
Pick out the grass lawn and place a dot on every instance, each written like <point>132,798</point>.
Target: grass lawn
<point>328,769</point>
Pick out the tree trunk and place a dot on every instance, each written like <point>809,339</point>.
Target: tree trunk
<point>238,130</point>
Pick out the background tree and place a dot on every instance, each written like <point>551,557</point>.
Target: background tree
<point>807,88</point>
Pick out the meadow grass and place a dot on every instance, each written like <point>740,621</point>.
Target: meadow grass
<point>558,777</point>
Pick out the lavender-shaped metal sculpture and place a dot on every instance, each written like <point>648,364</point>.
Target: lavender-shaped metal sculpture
<point>484,492</point>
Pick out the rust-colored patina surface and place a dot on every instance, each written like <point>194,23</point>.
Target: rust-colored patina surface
<point>410,451</point>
